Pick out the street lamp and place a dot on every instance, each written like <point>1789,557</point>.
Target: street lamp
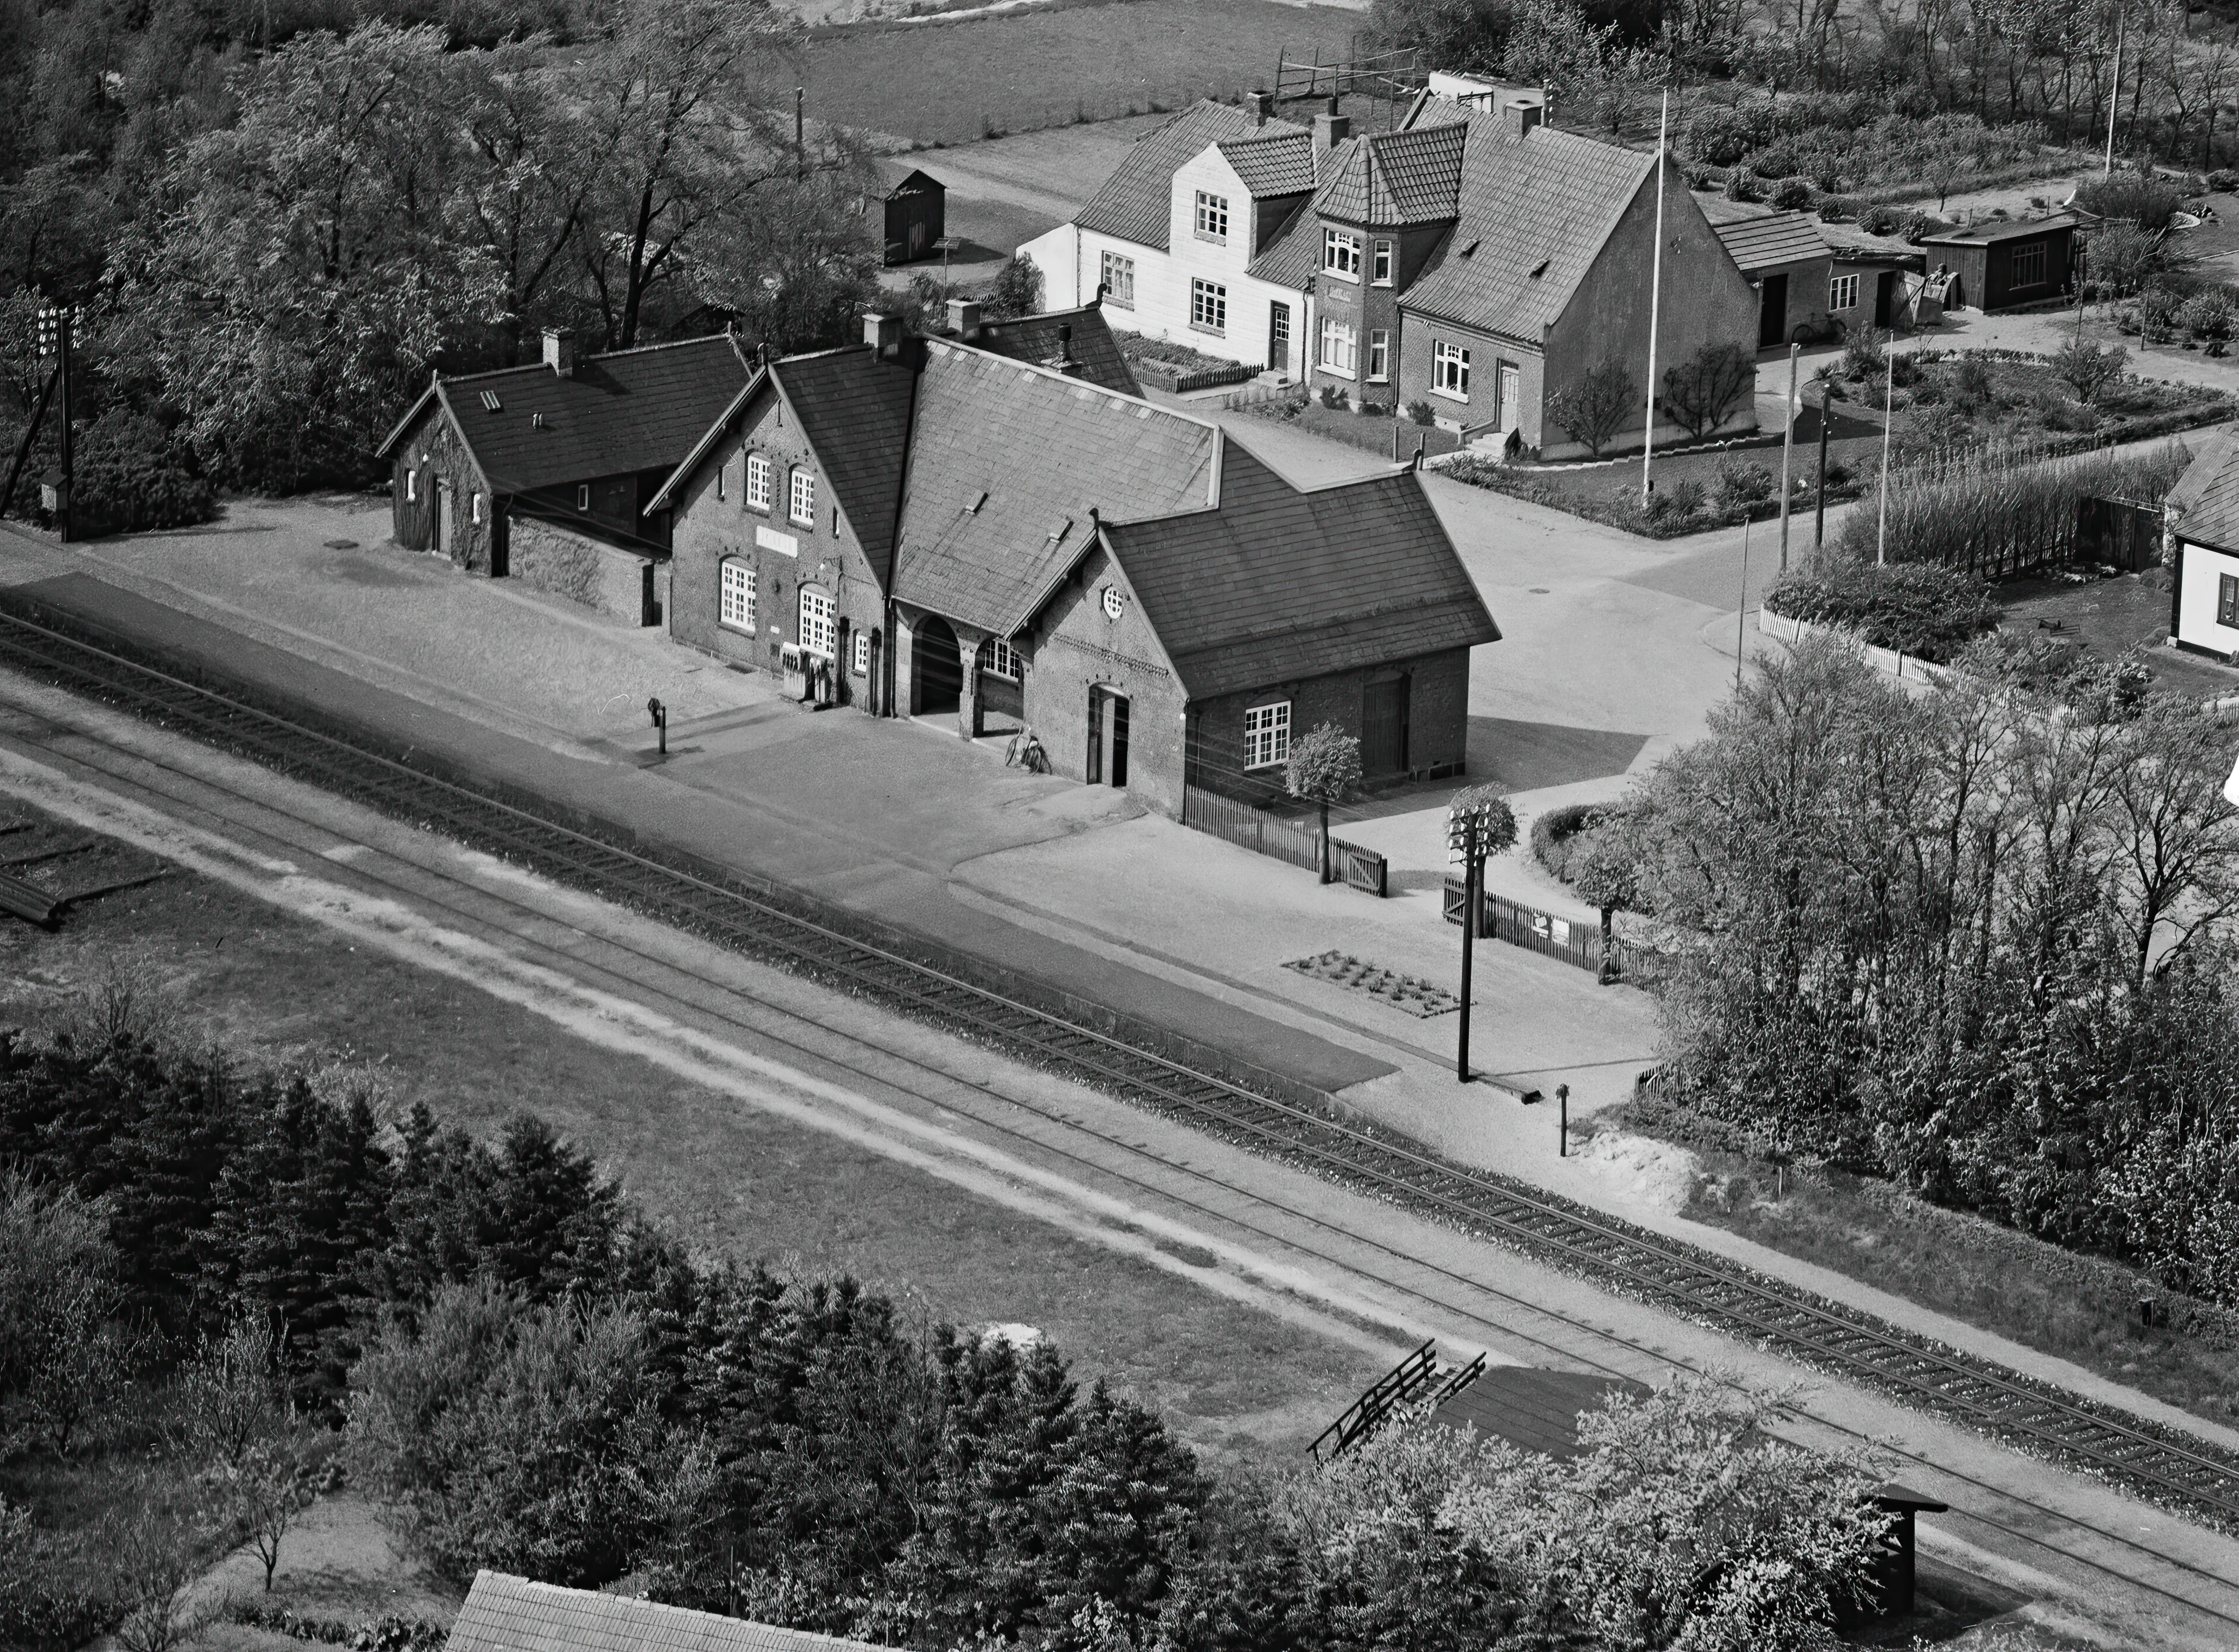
<point>1478,823</point>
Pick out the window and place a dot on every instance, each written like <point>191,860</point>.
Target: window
<point>1119,281</point>
<point>1379,356</point>
<point>997,660</point>
<point>1212,216</point>
<point>738,604</point>
<point>1208,306</point>
<point>2227,600</point>
<point>475,505</point>
<point>816,628</point>
<point>862,650</point>
<point>722,482</point>
<point>1267,735</point>
<point>2027,269</point>
<point>1382,267</point>
<point>1450,370</point>
<point>803,497</point>
<point>1340,346</point>
<point>758,481</point>
<point>1843,293</point>
<point>583,495</point>
<point>411,485</point>
<point>1341,253</point>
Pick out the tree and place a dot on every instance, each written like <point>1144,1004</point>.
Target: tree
<point>65,1359</point>
<point>228,1398</point>
<point>270,1488</point>
<point>1596,406</point>
<point>1703,390</point>
<point>1464,35</point>
<point>154,1554</point>
<point>1323,768</point>
<point>1016,291</point>
<point>2088,369</point>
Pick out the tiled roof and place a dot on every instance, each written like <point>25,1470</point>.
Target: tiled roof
<point>1292,258</point>
<point>629,410</point>
<point>2203,506</point>
<point>1534,214</point>
<point>1768,242</point>
<point>1277,583</point>
<point>1036,338</point>
<point>2001,230</point>
<point>1272,163</point>
<point>1134,201</point>
<point>1007,464</point>
<point>1394,179</point>
<point>507,1613</point>
<point>855,409</point>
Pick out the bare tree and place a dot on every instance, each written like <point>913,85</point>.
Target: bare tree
<point>1595,408</point>
<point>1703,389</point>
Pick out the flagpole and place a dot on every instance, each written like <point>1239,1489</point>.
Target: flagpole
<point>1787,448</point>
<point>1889,402</point>
<point>1655,302</point>
<point>2115,99</point>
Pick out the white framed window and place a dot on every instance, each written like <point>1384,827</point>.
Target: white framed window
<point>860,648</point>
<point>1212,216</point>
<point>2026,266</point>
<point>758,481</point>
<point>1267,735</point>
<point>738,596</point>
<point>801,499</point>
<point>411,486</point>
<point>1208,306</point>
<point>475,505</point>
<point>1119,280</point>
<point>583,495</point>
<point>997,660</point>
<point>1843,293</point>
<point>1379,356</point>
<point>1380,265</point>
<point>1341,253</point>
<point>818,632</point>
<point>723,481</point>
<point>1450,365</point>
<point>1340,347</point>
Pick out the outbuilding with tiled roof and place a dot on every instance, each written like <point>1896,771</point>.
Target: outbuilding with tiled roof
<point>503,1613</point>
<point>2200,519</point>
<point>1788,261</point>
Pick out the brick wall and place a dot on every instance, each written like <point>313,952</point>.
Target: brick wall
<point>1437,721</point>
<point>1078,648</point>
<point>435,456</point>
<point>711,522</point>
<point>550,557</point>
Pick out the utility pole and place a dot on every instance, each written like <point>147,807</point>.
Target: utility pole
<point>1788,445</point>
<point>1655,304</point>
<point>1741,620</point>
<point>1819,517</point>
<point>1475,818</point>
<point>799,134</point>
<point>56,324</point>
<point>1889,407</point>
<point>2114,97</point>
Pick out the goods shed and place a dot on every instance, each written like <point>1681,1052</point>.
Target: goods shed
<point>917,214</point>
<point>2004,263</point>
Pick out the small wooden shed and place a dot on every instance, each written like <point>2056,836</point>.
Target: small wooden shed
<point>2002,263</point>
<point>917,212</point>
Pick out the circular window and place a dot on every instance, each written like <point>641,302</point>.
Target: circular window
<point>1114,604</point>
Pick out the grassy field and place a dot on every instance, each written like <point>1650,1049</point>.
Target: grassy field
<point>1231,1379</point>
<point>2079,1308</point>
<point>954,82</point>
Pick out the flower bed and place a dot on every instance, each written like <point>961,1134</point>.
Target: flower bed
<point>1687,507</point>
<point>1176,379</point>
<point>1372,431</point>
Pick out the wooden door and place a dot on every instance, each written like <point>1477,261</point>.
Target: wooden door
<point>1508,392</point>
<point>1383,727</point>
<point>1772,319</point>
<point>1278,338</point>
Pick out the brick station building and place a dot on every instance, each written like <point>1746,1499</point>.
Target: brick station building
<point>990,528</point>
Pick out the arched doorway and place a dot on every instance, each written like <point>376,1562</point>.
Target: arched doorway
<point>936,669</point>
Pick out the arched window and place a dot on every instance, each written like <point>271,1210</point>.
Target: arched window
<point>801,499</point>
<point>818,631</point>
<point>738,598</point>
<point>758,481</point>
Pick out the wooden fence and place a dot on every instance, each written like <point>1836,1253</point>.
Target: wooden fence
<point>1569,939</point>
<point>1282,837</point>
<point>1177,380</point>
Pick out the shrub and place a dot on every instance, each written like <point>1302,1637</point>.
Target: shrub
<point>1331,396</point>
<point>1723,135</point>
<point>132,477</point>
<point>1879,220</point>
<point>1790,195</point>
<point>1972,378</point>
<point>2137,197</point>
<point>2123,258</point>
<point>1741,483</point>
<point>2223,181</point>
<point>1863,357</point>
<point>1421,412</point>
<point>1557,835</point>
<point>1016,291</point>
<point>1838,473</point>
<point>1930,612</point>
<point>1833,208</point>
<point>2156,311</point>
<point>1740,185</point>
<point>1368,410</point>
<point>2088,369</point>
<point>1596,407</point>
<point>2206,315</point>
<point>1703,390</point>
<point>1687,497</point>
<point>1700,178</point>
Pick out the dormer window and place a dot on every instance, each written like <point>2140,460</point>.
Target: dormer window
<point>1341,253</point>
<point>1212,216</point>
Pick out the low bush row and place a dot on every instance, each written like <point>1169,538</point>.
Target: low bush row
<point>1928,612</point>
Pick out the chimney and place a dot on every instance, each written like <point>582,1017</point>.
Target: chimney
<point>559,351</point>
<point>1064,363</point>
<point>882,333</point>
<point>1331,129</point>
<point>1522,117</point>
<point>964,318</point>
<point>1262,107</point>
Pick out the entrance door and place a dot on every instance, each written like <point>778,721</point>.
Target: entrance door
<point>1383,727</point>
<point>919,236</point>
<point>1883,288</point>
<point>1278,338</point>
<point>1118,740</point>
<point>1107,738</point>
<point>936,669</point>
<point>1511,392</point>
<point>1772,319</point>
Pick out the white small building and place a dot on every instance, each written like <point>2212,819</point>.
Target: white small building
<point>2200,524</point>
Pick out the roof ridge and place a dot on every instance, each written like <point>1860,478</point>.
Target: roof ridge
<point>640,1602</point>
<point>648,349</point>
<point>1175,414</point>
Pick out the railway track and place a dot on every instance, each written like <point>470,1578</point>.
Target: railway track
<point>2182,1474</point>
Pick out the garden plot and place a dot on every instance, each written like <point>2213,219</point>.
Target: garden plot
<point>1409,992</point>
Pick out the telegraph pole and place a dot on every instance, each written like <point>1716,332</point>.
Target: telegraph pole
<point>1788,446</point>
